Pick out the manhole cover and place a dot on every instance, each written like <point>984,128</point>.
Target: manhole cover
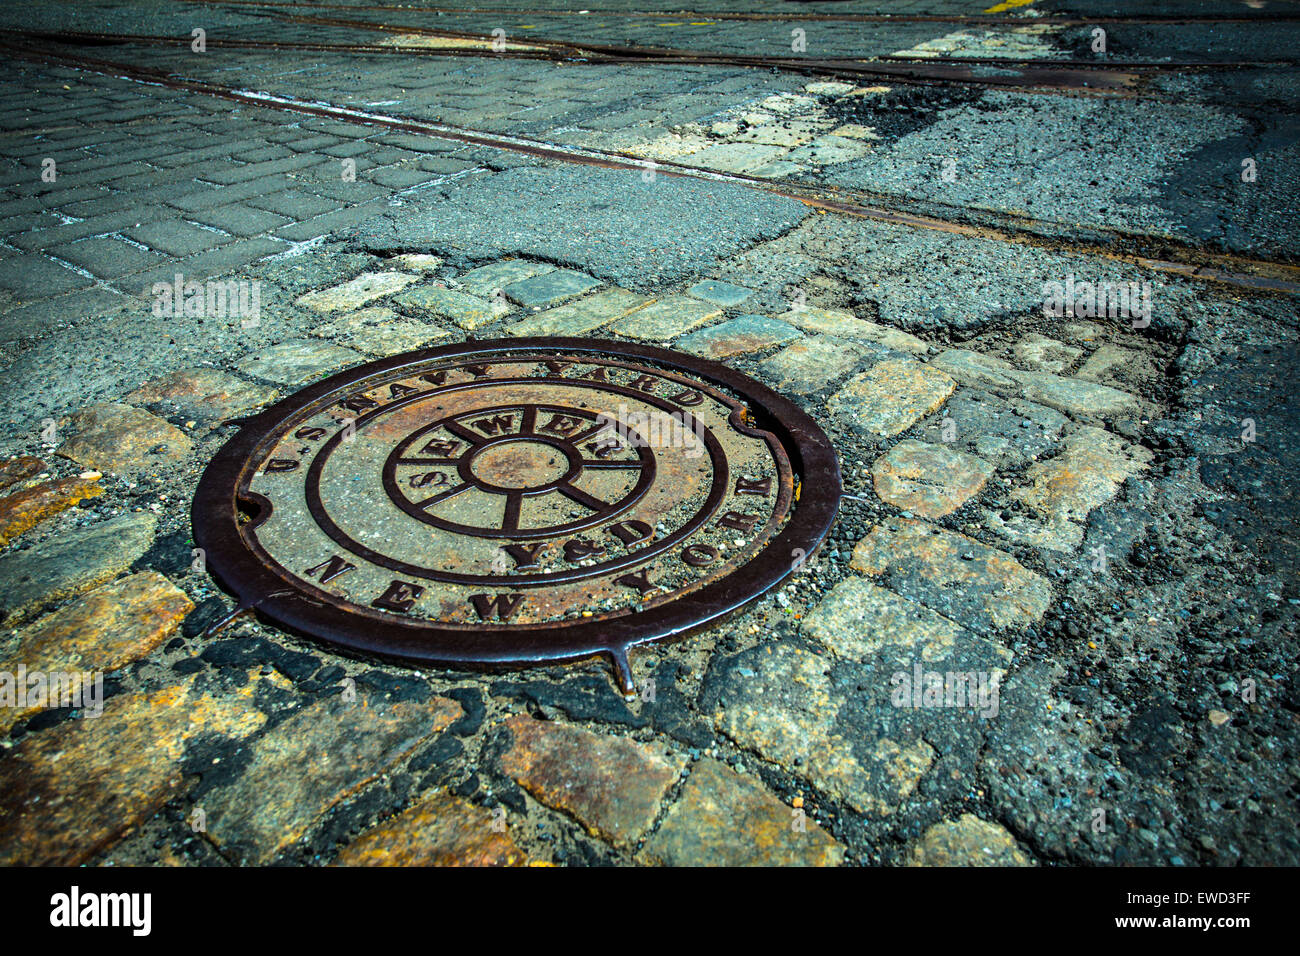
<point>516,502</point>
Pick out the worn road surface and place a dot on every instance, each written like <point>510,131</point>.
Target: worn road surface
<point>900,215</point>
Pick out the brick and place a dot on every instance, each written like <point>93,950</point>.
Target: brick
<point>1045,355</point>
<point>295,204</point>
<point>36,277</point>
<point>485,280</point>
<point>857,619</point>
<point>254,170</point>
<point>175,238</point>
<point>719,293</point>
<point>380,331</point>
<point>796,728</point>
<point>1088,472</point>
<point>330,222</point>
<point>106,257</point>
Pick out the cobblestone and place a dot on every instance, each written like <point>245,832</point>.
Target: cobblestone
<point>73,791</point>
<point>357,292</point>
<point>103,630</point>
<point>23,510</point>
<point>662,320</point>
<point>440,830</point>
<point>122,439</point>
<point>466,311</point>
<point>967,841</point>
<point>317,757</point>
<point>70,564</point>
<point>929,480</point>
<point>746,333</point>
<point>725,819</point>
<point>612,786</point>
<point>978,586</point>
<point>201,394</point>
<point>811,364</point>
<point>890,397</point>
<point>296,361</point>
<point>1062,491</point>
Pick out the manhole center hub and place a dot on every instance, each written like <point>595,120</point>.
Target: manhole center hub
<point>526,465</point>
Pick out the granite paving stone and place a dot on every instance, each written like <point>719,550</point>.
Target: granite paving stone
<point>928,480</point>
<point>665,318</point>
<point>71,563</point>
<point>320,755</point>
<point>582,316</point>
<point>723,818</point>
<point>746,333</point>
<point>75,790</point>
<point>120,438</point>
<point>20,511</point>
<point>201,394</point>
<point>810,364</point>
<point>296,361</point>
<point>890,397</point>
<point>467,311</point>
<point>549,288</point>
<point>356,292</point>
<point>440,830</point>
<point>983,588</point>
<point>611,785</point>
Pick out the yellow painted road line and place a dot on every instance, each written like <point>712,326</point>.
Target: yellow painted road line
<point>1008,5</point>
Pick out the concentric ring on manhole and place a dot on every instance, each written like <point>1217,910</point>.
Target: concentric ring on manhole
<point>516,502</point>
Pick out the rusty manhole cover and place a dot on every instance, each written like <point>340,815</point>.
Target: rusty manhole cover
<point>516,502</point>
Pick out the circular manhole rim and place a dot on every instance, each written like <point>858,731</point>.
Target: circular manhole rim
<point>236,567</point>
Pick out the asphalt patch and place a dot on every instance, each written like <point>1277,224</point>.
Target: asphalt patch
<point>632,228</point>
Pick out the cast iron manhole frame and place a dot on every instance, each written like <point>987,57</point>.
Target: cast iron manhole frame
<point>216,522</point>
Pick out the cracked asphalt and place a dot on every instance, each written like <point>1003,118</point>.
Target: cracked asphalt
<point>1087,509</point>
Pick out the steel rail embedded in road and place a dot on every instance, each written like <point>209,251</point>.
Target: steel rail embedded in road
<point>1158,253</point>
<point>790,17</point>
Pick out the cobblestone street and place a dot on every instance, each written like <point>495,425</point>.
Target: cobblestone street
<point>1033,267</point>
